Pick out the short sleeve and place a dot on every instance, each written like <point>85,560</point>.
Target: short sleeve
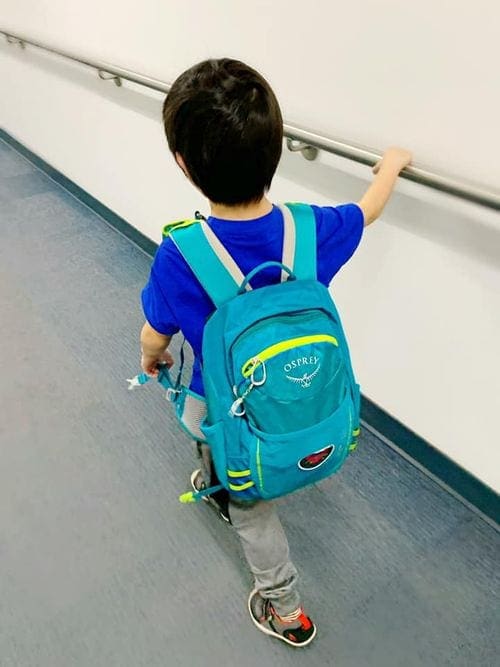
<point>154,300</point>
<point>339,231</point>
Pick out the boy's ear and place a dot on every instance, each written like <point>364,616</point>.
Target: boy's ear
<point>180,161</point>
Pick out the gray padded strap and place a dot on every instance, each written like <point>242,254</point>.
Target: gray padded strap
<point>288,240</point>
<point>223,255</point>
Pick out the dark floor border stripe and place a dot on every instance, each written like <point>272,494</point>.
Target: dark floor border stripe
<point>435,462</point>
<point>438,464</point>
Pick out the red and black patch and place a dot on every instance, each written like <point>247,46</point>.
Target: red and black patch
<point>315,460</point>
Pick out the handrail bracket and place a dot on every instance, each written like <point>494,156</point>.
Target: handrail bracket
<point>296,146</point>
<point>15,40</point>
<point>107,76</point>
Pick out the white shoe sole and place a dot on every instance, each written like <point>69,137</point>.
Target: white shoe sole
<point>271,633</point>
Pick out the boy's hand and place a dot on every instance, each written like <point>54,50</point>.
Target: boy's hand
<point>154,350</point>
<point>149,363</point>
<point>386,173</point>
<point>394,158</point>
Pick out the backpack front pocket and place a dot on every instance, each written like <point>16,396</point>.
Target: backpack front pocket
<point>282,463</point>
<point>295,382</point>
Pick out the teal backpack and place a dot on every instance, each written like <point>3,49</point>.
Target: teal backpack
<point>282,401</point>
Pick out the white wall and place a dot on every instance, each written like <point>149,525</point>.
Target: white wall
<point>421,299</point>
<point>373,71</point>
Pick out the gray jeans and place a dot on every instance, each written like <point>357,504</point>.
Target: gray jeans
<point>262,536</point>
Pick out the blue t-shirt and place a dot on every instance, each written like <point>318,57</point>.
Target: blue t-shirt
<point>173,299</point>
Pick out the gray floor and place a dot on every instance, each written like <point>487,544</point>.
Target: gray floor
<point>99,563</point>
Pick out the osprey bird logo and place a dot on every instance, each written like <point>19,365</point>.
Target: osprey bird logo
<point>306,380</point>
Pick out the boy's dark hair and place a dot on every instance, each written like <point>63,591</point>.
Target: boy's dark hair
<point>223,118</point>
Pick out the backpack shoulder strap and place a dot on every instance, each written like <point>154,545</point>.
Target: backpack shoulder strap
<point>299,240</point>
<point>208,259</point>
<point>172,226</point>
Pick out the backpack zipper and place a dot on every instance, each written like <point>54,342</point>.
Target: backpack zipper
<point>285,317</point>
<point>283,346</point>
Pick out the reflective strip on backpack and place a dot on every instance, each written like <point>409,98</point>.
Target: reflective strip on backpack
<point>223,255</point>
<point>288,240</point>
<point>304,264</point>
<point>241,487</point>
<point>238,473</point>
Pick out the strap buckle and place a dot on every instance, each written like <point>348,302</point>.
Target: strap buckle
<point>172,394</point>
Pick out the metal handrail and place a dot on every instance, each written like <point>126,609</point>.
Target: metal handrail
<point>298,139</point>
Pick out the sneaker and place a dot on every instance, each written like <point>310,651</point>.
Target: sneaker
<point>295,629</point>
<point>219,500</point>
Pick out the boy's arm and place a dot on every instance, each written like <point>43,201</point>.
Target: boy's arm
<point>386,173</point>
<point>154,350</point>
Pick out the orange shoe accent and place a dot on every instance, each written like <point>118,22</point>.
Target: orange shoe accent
<point>305,621</point>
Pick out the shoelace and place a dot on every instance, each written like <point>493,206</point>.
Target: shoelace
<point>293,617</point>
<point>289,618</point>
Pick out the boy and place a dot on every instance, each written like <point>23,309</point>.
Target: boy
<point>224,127</point>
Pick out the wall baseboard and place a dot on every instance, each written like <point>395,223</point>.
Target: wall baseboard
<point>436,464</point>
<point>467,488</point>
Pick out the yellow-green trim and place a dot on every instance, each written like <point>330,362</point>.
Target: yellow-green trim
<point>241,487</point>
<point>284,345</point>
<point>259,465</point>
<point>173,226</point>
<point>356,432</point>
<point>187,497</point>
<point>238,473</point>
